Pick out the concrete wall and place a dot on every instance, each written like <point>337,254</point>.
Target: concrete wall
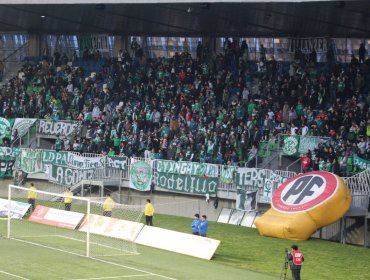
<point>176,204</point>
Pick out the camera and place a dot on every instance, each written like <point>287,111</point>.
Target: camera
<point>286,250</point>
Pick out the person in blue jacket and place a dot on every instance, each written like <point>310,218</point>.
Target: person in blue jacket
<point>195,225</point>
<point>203,226</point>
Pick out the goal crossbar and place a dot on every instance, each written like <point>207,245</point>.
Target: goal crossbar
<point>87,214</point>
<point>49,193</point>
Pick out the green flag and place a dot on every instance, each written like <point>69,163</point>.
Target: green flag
<point>291,145</point>
<point>140,176</point>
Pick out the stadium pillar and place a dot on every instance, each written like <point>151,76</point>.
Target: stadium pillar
<point>121,43</point>
<point>34,44</point>
<point>213,44</point>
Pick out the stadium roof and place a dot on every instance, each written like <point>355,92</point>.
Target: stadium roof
<point>197,18</point>
<point>150,1</point>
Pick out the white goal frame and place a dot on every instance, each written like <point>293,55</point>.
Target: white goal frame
<point>88,209</point>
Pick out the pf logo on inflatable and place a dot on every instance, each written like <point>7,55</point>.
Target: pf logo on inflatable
<point>304,192</point>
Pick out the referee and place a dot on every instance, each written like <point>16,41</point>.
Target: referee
<point>68,200</point>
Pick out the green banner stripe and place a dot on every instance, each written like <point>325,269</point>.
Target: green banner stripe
<point>186,183</point>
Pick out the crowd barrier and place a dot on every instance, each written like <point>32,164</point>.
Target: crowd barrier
<point>69,168</point>
<point>117,169</point>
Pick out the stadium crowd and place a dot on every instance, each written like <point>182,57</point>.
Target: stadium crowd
<point>211,108</point>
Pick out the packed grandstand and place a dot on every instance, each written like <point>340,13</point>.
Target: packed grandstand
<point>214,107</point>
<point>167,139</point>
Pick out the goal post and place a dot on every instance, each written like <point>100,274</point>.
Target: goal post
<point>48,224</point>
<point>117,233</point>
<point>79,229</point>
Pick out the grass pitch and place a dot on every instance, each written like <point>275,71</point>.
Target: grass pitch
<point>243,254</point>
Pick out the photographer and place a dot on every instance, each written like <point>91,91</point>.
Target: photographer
<point>295,258</point>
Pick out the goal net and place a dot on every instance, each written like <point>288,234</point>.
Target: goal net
<point>72,224</point>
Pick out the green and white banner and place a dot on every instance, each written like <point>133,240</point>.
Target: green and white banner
<point>7,160</point>
<point>69,176</point>
<point>6,152</point>
<point>291,145</point>
<point>268,188</point>
<point>6,125</point>
<point>23,126</point>
<point>227,174</point>
<point>186,183</point>
<point>6,167</point>
<point>187,168</point>
<point>34,161</point>
<point>140,176</point>
<point>251,179</point>
<point>295,145</point>
<point>19,177</point>
<point>360,162</point>
<point>61,128</point>
<point>263,180</point>
<point>308,143</point>
<point>246,200</point>
<point>116,162</point>
<point>68,159</point>
<point>31,161</point>
<point>54,157</point>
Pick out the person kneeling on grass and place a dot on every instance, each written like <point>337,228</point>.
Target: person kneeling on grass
<point>195,225</point>
<point>203,226</point>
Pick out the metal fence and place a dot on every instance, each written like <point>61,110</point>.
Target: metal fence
<point>359,183</point>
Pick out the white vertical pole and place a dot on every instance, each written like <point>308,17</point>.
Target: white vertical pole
<point>28,137</point>
<point>88,230</point>
<point>9,201</point>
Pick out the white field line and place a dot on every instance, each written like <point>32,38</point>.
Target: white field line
<point>79,240</point>
<point>37,236</point>
<point>44,246</point>
<point>13,275</point>
<point>99,260</point>
<point>97,244</point>
<point>136,269</point>
<point>114,277</point>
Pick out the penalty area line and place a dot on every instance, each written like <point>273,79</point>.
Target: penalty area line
<point>13,275</point>
<point>133,268</point>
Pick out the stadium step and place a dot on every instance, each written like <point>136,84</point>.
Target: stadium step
<point>77,188</point>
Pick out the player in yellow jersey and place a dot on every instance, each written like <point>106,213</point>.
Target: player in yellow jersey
<point>32,195</point>
<point>108,206</point>
<point>68,200</point>
<point>149,212</point>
